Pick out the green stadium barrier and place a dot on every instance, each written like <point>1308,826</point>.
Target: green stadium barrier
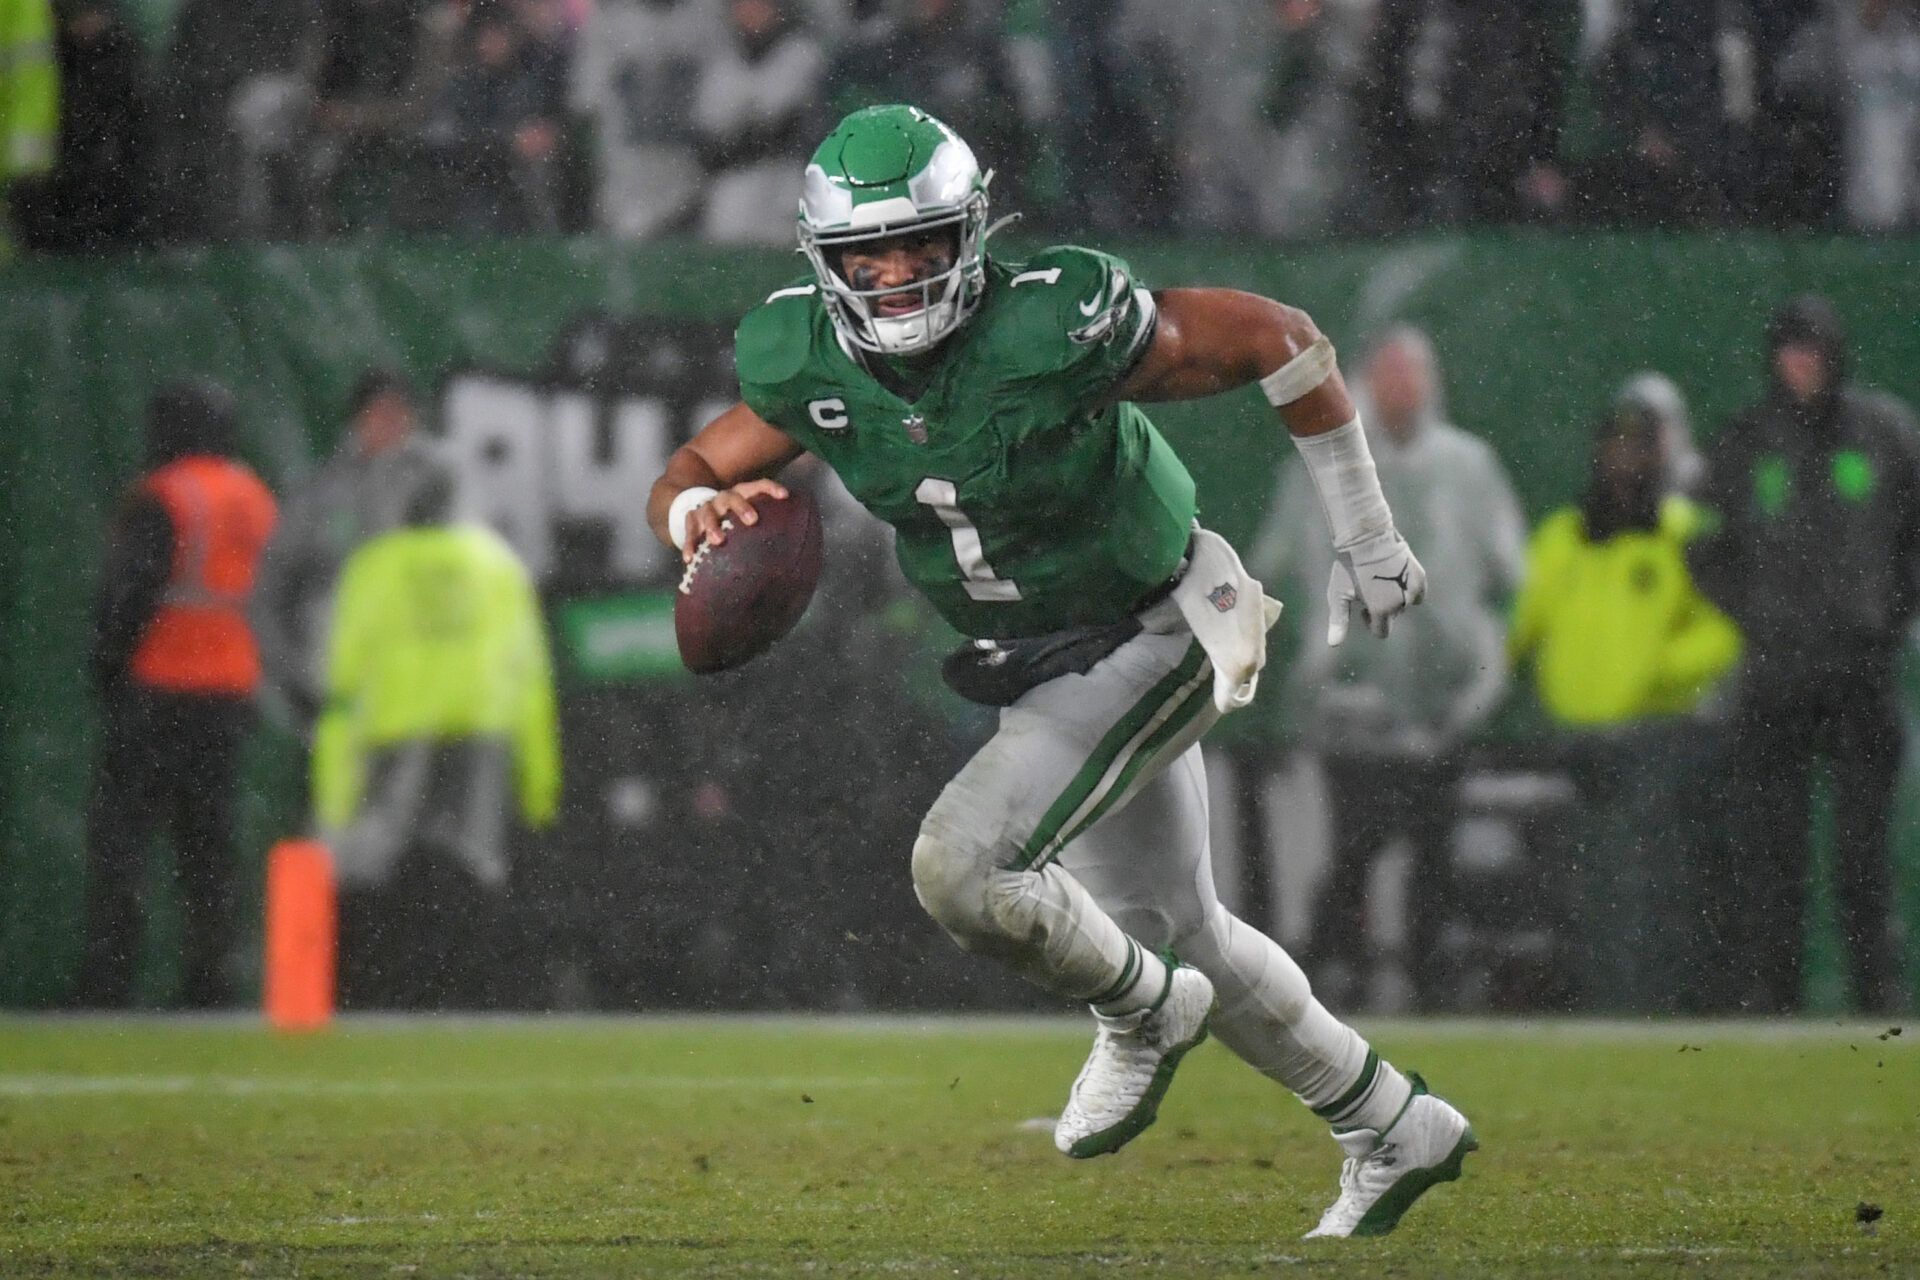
<point>1534,331</point>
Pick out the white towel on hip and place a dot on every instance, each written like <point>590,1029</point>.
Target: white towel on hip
<point>1230,615</point>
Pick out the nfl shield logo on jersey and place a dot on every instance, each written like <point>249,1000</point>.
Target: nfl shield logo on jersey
<point>916,428</point>
<point>1223,597</point>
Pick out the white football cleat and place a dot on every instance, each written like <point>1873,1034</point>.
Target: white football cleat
<point>1117,1094</point>
<point>1386,1172</point>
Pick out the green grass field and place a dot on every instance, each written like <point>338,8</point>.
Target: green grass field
<point>776,1147</point>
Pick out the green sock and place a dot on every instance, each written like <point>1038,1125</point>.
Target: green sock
<point>1374,1100</point>
<point>1142,984</point>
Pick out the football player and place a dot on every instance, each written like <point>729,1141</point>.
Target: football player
<point>989,412</point>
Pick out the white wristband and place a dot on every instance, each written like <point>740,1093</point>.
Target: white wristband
<point>685,503</point>
<point>1299,375</point>
<point>1341,466</point>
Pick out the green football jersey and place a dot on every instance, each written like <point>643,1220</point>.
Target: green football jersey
<point>1023,499</point>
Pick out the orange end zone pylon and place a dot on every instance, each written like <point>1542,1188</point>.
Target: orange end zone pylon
<point>301,934</point>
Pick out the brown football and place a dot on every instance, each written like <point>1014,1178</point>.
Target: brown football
<point>735,600</point>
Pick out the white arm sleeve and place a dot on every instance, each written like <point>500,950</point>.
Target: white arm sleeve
<point>1341,466</point>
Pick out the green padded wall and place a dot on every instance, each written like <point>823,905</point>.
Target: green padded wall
<point>1533,330</point>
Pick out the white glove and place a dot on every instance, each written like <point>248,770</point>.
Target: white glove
<point>1381,576</point>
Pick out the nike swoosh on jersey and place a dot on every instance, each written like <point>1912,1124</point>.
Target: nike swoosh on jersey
<point>1116,289</point>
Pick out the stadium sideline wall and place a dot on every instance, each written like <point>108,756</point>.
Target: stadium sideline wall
<point>1534,331</point>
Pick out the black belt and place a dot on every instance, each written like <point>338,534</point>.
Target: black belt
<point>995,673</point>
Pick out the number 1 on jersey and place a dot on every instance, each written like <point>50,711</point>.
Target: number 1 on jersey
<point>981,582</point>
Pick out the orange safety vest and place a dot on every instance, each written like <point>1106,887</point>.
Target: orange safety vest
<point>199,640</point>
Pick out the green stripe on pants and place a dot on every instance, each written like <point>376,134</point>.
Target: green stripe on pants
<point>1167,708</point>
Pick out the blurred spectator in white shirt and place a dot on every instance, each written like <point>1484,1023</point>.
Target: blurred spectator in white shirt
<point>636,68</point>
<point>1316,55</point>
<point>754,114</point>
<point>1863,56</point>
<point>1387,721</point>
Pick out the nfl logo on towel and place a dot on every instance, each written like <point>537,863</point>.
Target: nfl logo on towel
<point>1223,597</point>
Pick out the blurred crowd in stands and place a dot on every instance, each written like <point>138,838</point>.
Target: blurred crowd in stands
<point>195,121</point>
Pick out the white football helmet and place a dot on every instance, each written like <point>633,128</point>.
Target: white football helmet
<point>884,172</point>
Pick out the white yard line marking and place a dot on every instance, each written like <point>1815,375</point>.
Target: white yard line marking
<point>1517,1027</point>
<point>55,1086</point>
<point>1643,1030</point>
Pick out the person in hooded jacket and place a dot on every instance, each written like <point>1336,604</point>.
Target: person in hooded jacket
<point>176,667</point>
<point>439,714</point>
<point>1817,559</point>
<point>1627,657</point>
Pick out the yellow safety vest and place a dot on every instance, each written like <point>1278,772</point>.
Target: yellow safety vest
<point>29,89</point>
<point>1617,630</point>
<point>437,636</point>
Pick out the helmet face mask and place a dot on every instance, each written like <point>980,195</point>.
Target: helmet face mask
<point>887,173</point>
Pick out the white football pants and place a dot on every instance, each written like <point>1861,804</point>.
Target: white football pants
<point>1084,821</point>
